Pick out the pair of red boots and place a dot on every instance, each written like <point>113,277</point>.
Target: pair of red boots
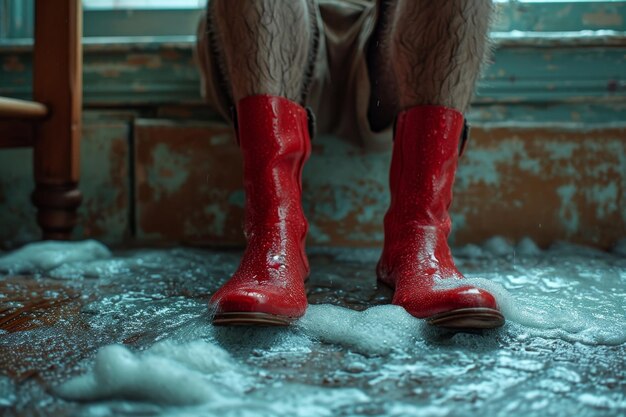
<point>268,287</point>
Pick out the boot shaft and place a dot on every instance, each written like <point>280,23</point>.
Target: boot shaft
<point>423,165</point>
<point>274,139</point>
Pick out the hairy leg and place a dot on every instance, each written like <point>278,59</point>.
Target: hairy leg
<point>264,46</point>
<point>266,49</point>
<point>437,48</point>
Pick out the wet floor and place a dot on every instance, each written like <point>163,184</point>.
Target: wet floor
<point>87,332</point>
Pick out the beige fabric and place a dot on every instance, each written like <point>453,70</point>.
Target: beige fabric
<point>340,88</point>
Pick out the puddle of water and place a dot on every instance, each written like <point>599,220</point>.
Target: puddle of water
<point>132,336</point>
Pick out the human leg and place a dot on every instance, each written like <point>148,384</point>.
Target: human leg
<point>437,49</point>
<point>265,50</point>
<point>436,52</point>
<point>264,46</point>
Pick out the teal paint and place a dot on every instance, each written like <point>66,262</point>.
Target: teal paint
<point>568,210</point>
<point>345,186</point>
<point>172,173</point>
<point>487,165</point>
<point>604,197</point>
<point>611,171</point>
<point>524,75</point>
<point>459,220</point>
<point>317,236</point>
<point>104,180</point>
<point>104,212</point>
<point>593,112</point>
<point>215,227</point>
<point>17,214</point>
<point>560,16</point>
<point>237,199</point>
<point>560,151</point>
<point>160,74</point>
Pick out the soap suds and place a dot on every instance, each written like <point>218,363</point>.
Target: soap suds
<point>544,317</point>
<point>200,374</point>
<point>165,374</point>
<point>376,330</point>
<point>38,256</point>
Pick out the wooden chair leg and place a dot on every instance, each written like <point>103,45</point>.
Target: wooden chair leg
<point>57,83</point>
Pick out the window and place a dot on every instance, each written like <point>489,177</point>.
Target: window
<point>143,4</point>
<point>111,18</point>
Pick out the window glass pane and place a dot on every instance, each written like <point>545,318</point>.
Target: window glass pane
<point>144,4</point>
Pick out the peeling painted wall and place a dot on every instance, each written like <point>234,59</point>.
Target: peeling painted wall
<point>566,182</point>
<point>188,183</point>
<point>548,183</point>
<point>551,182</point>
<point>105,184</point>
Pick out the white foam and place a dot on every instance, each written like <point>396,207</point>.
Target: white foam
<point>376,330</point>
<point>50,254</point>
<point>527,247</point>
<point>165,374</point>
<point>550,316</point>
<point>572,249</point>
<point>91,269</point>
<point>615,402</point>
<point>470,251</point>
<point>201,374</point>
<point>498,246</point>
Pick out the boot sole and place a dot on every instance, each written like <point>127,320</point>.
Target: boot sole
<point>252,319</point>
<point>468,319</point>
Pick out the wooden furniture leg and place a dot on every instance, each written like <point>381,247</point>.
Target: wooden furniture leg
<point>57,83</point>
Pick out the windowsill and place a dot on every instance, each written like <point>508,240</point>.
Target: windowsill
<point>528,68</point>
<point>526,39</point>
<point>110,43</point>
<point>583,38</point>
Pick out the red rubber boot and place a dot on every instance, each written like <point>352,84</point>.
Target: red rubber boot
<point>416,259</point>
<point>268,287</point>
